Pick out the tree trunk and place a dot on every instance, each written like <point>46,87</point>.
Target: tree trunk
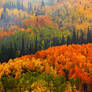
<point>85,87</point>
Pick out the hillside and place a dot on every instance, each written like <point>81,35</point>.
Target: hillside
<point>45,45</point>
<point>61,65</point>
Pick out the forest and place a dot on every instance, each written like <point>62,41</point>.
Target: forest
<point>38,33</point>
<point>46,46</point>
<point>56,69</point>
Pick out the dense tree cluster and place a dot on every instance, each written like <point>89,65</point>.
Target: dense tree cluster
<point>34,37</point>
<point>66,13</point>
<point>28,42</point>
<point>40,28</point>
<point>57,69</point>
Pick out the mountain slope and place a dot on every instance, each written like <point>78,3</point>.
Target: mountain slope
<point>74,62</point>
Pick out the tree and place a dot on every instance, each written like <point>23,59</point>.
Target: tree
<point>59,83</point>
<point>74,37</point>
<point>68,40</point>
<point>9,83</point>
<point>89,35</point>
<point>63,40</point>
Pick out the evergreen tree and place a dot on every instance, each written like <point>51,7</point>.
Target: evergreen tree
<point>63,40</point>
<point>68,40</point>
<point>89,35</point>
<point>74,37</point>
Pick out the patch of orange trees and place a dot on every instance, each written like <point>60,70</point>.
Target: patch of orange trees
<point>73,61</point>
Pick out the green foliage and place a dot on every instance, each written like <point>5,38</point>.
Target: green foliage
<point>39,38</point>
<point>77,83</point>
<point>23,42</point>
<point>59,84</point>
<point>26,80</point>
<point>9,84</point>
<point>30,81</point>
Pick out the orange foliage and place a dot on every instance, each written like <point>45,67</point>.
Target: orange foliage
<point>39,21</point>
<point>76,59</point>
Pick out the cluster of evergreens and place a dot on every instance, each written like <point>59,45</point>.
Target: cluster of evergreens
<point>23,42</point>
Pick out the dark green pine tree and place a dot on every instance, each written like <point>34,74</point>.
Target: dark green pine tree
<point>82,37</point>
<point>74,37</point>
<point>23,46</point>
<point>36,42</point>
<point>68,40</point>
<point>63,40</point>
<point>89,35</point>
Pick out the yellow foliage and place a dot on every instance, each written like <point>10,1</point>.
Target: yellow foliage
<point>1,11</point>
<point>39,86</point>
